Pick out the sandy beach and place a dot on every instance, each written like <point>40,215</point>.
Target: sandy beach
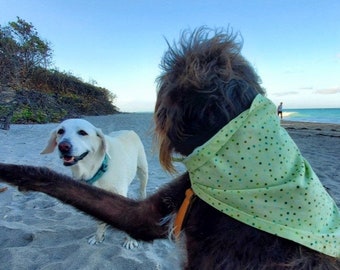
<point>39,232</point>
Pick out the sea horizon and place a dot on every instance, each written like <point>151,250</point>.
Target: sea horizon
<point>316,115</point>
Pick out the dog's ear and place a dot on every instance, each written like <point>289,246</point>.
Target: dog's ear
<point>51,144</point>
<point>101,135</point>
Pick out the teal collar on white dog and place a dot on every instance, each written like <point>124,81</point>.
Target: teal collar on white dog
<point>100,172</point>
<point>252,170</point>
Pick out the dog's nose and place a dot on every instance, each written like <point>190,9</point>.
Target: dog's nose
<point>64,147</point>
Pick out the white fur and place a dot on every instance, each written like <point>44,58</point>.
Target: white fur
<point>126,157</point>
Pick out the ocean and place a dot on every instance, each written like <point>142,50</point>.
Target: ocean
<point>313,115</point>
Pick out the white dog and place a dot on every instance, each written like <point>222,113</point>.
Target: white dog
<point>108,162</point>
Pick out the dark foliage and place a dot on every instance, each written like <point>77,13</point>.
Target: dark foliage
<point>30,92</point>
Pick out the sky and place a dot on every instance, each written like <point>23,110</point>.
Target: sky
<point>294,45</point>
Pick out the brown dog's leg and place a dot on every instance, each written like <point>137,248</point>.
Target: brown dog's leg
<point>144,220</point>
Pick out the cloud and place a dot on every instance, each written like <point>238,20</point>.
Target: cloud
<point>329,91</point>
<point>306,88</point>
<point>292,71</point>
<point>285,94</point>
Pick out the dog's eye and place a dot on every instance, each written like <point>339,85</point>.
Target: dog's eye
<point>61,131</point>
<point>82,133</point>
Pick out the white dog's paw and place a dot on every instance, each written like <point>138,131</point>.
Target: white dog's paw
<point>130,243</point>
<point>93,240</point>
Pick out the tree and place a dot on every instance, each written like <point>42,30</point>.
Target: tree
<point>22,51</point>
<point>9,62</point>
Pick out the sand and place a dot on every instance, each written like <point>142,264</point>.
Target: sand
<point>39,232</point>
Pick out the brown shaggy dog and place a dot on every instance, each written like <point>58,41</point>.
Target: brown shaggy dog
<point>205,84</point>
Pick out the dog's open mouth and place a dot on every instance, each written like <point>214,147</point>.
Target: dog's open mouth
<point>72,160</point>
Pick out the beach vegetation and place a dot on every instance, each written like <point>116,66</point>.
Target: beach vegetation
<point>31,91</point>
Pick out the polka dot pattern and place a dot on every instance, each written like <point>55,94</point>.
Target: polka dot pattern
<point>253,171</point>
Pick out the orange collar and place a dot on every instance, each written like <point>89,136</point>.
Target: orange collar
<point>182,212</point>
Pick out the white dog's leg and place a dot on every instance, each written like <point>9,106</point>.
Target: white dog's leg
<point>130,243</point>
<point>142,174</point>
<point>99,236</point>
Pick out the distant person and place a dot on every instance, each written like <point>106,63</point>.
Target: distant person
<point>279,110</point>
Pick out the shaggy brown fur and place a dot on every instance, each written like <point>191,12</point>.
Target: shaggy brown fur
<point>205,84</point>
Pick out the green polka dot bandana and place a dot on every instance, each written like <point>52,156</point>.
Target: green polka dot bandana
<point>252,171</point>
